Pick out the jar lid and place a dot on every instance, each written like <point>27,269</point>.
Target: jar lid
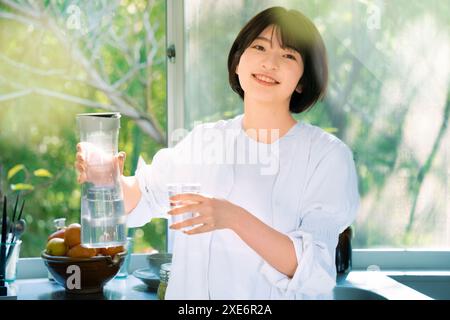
<point>164,272</point>
<point>60,222</point>
<point>166,266</point>
<point>98,122</point>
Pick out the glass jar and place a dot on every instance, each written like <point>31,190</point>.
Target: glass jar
<point>59,224</point>
<point>164,274</point>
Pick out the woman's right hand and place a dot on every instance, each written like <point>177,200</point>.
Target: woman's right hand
<point>89,173</point>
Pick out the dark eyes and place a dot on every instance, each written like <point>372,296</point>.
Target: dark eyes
<point>261,48</point>
<point>258,47</point>
<point>290,56</point>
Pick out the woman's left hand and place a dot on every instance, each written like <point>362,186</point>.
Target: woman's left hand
<point>212,213</point>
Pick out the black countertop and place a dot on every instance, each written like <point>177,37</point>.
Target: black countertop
<point>130,288</point>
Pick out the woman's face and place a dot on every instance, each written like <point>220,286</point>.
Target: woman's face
<point>267,72</point>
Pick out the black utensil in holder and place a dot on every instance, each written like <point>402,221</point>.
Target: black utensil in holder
<point>3,287</point>
<point>7,242</point>
<point>7,291</point>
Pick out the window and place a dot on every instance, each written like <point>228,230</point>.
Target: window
<point>61,58</point>
<point>388,100</point>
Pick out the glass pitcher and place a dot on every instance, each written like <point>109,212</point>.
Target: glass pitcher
<point>103,219</point>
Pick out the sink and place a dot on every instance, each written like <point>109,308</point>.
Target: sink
<point>373,285</point>
<point>433,284</point>
<point>352,293</point>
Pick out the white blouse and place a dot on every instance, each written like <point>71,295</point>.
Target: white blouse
<point>303,185</point>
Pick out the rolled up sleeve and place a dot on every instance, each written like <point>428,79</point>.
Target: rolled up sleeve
<point>152,181</point>
<point>329,206</point>
<point>166,167</point>
<point>140,215</point>
<point>312,276</point>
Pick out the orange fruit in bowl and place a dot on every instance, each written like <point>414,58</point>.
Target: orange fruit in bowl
<point>72,235</point>
<point>80,251</point>
<point>111,251</point>
<point>57,234</point>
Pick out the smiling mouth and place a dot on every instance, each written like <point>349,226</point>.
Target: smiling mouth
<point>264,79</point>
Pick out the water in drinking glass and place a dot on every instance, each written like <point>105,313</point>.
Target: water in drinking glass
<point>176,188</point>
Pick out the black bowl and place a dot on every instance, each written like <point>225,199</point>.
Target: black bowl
<point>83,275</point>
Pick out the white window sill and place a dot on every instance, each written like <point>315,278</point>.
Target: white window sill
<point>401,259</point>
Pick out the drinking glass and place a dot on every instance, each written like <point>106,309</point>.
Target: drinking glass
<point>11,267</point>
<point>177,188</point>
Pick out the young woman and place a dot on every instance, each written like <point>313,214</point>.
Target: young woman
<point>264,229</point>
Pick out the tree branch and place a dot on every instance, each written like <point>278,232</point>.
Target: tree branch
<point>427,166</point>
<point>150,37</point>
<point>146,121</point>
<point>26,21</point>
<point>15,95</point>
<point>12,83</point>
<point>74,99</point>
<point>60,73</point>
<point>128,75</point>
<point>57,95</point>
<point>21,9</point>
<point>141,119</point>
<point>16,64</point>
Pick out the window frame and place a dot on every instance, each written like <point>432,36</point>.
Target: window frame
<point>175,78</point>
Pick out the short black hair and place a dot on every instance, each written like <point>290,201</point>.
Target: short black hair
<point>297,32</point>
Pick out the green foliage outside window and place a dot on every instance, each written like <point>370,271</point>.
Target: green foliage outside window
<point>61,58</point>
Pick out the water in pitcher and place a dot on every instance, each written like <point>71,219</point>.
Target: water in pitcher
<point>103,222</point>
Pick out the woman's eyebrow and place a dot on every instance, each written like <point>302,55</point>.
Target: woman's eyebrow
<point>290,49</point>
<point>263,38</point>
<point>293,50</point>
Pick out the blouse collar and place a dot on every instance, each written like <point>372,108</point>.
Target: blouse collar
<point>292,132</point>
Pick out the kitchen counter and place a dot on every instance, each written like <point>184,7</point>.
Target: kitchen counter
<point>32,284</point>
<point>130,288</point>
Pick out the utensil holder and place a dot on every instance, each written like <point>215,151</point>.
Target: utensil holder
<point>10,292</point>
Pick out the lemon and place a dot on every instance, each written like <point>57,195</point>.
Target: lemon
<point>56,247</point>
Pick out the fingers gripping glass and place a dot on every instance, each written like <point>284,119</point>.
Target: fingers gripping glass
<point>178,188</point>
